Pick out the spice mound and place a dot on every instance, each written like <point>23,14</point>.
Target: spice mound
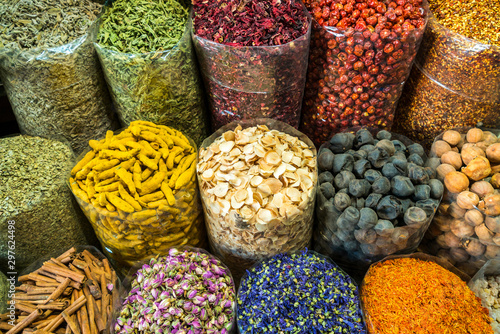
<point>250,23</point>
<point>298,293</point>
<point>434,300</point>
<point>258,190</point>
<point>187,291</point>
<point>488,289</point>
<point>138,189</point>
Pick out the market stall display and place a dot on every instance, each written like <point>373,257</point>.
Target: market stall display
<point>298,292</point>
<point>258,188</point>
<point>35,201</point>
<point>375,197</point>
<point>50,70</point>
<point>138,189</point>
<point>253,58</point>
<point>73,292</point>
<point>187,291</point>
<point>361,55</point>
<point>150,64</point>
<point>466,228</point>
<point>456,78</point>
<point>486,285</point>
<point>434,296</point>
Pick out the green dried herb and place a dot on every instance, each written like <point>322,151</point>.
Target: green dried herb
<point>148,60</point>
<point>4,289</point>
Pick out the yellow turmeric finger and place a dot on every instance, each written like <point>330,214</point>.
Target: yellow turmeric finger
<point>113,154</point>
<point>102,199</point>
<point>142,215</point>
<point>187,163</point>
<point>169,195</point>
<point>158,203</point>
<point>98,145</point>
<point>110,207</point>
<point>110,187</point>
<point>171,157</point>
<point>85,160</point>
<point>109,136</point>
<point>107,181</point>
<point>106,164</point>
<point>167,139</point>
<point>146,174</point>
<point>120,204</point>
<point>90,189</point>
<point>128,198</point>
<point>127,178</point>
<point>185,177</point>
<point>133,144</point>
<point>152,197</point>
<point>147,149</point>
<point>82,174</point>
<point>137,176</point>
<point>116,143</point>
<point>150,163</point>
<point>78,191</point>
<point>173,178</point>
<point>152,184</point>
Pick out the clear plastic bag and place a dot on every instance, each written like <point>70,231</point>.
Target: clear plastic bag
<point>131,278</point>
<point>58,92</point>
<point>464,228</point>
<point>485,285</point>
<point>338,80</point>
<point>160,87</point>
<point>241,241</point>
<point>245,82</point>
<point>455,82</point>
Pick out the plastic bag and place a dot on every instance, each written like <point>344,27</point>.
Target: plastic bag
<point>464,229</point>
<point>254,82</point>
<point>160,87</point>
<point>39,213</point>
<point>195,281</point>
<point>338,80</point>
<point>240,239</point>
<point>58,92</point>
<point>357,230</point>
<point>485,285</point>
<point>456,83</point>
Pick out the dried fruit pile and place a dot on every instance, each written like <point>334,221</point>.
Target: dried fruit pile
<point>375,198</point>
<point>466,229</point>
<point>258,188</point>
<point>361,55</point>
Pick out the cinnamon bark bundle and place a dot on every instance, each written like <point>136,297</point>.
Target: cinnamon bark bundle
<point>72,293</point>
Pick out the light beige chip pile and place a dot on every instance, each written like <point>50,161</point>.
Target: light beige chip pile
<point>258,189</point>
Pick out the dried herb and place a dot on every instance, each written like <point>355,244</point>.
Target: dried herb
<point>50,69</point>
<point>409,295</point>
<point>148,60</point>
<point>4,290</point>
<point>34,194</point>
<point>253,54</point>
<point>298,293</point>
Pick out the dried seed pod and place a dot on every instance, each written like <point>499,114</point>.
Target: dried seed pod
<point>474,217</point>
<point>456,182</point>
<point>370,249</point>
<point>474,247</point>
<point>495,180</point>
<point>381,186</point>
<point>477,169</point>
<point>360,167</point>
<point>492,205</point>
<point>441,241</point>
<point>372,200</point>
<point>417,174</point>
<point>493,223</point>
<point>443,170</point>
<point>384,228</point>
<point>422,192</point>
<point>428,205</point>
<point>459,254</point>
<point>482,188</point>
<point>437,188</point>
<point>452,158</point>
<point>371,175</point>
<point>402,186</point>
<point>327,190</point>
<point>415,217</point>
<point>445,255</point>
<point>416,159</point>
<point>416,149</point>
<point>363,137</point>
<point>367,148</point>
<point>484,233</point>
<point>400,236</point>
<point>492,252</point>
<point>470,152</point>
<point>365,236</point>
<point>341,142</point>
<point>367,218</point>
<point>474,135</point>
<point>359,188</point>
<point>399,146</point>
<point>439,148</point>
<point>341,201</point>
<point>384,134</point>
<point>387,145</point>
<point>433,163</point>
<point>325,177</point>
<point>325,160</point>
<point>467,200</point>
<point>343,179</point>
<point>456,211</point>
<point>378,157</point>
<point>342,162</point>
<point>451,240</point>
<point>452,137</point>
<point>389,207</point>
<point>493,153</point>
<point>389,170</point>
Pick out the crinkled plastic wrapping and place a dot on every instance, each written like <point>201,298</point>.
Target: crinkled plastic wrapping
<point>420,256</point>
<point>352,254</point>
<point>162,87</point>
<point>328,103</point>
<point>246,82</point>
<point>236,240</point>
<point>467,253</point>
<point>132,274</point>
<point>58,91</point>
<point>326,258</point>
<point>129,238</point>
<point>456,82</point>
<point>477,284</point>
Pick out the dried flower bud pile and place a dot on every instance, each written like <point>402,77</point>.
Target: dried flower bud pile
<point>298,293</point>
<point>258,189</point>
<point>409,295</point>
<point>488,289</point>
<point>187,291</point>
<point>138,188</point>
<point>466,229</point>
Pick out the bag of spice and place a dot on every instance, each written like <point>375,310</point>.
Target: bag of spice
<point>150,65</point>
<point>138,189</point>
<point>433,294</point>
<point>486,285</point>
<point>466,228</point>
<point>4,292</point>
<point>253,57</point>
<point>257,180</point>
<point>302,292</point>
<point>38,212</point>
<point>375,197</point>
<point>456,80</point>
<point>186,290</point>
<point>361,55</point>
<point>50,70</point>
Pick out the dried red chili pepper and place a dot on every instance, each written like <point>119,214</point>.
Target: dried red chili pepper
<point>253,57</point>
<point>361,54</point>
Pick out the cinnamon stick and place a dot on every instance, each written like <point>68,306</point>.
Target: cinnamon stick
<point>104,299</point>
<point>25,307</point>
<point>26,322</point>
<point>70,320</point>
<point>54,306</point>
<point>90,310</point>
<point>80,302</point>
<point>55,269</point>
<point>59,291</point>
<point>19,296</point>
<point>67,253</point>
<point>84,320</point>
<point>5,326</point>
<point>101,326</point>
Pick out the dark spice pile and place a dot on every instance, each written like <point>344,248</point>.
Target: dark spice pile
<point>298,293</point>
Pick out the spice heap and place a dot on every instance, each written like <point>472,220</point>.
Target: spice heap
<point>488,289</point>
<point>434,300</point>
<point>187,291</point>
<point>361,55</point>
<point>34,194</point>
<point>298,293</point>
<point>74,292</point>
<point>258,188</point>
<point>375,198</point>
<point>149,63</point>
<point>252,55</point>
<point>466,229</point>
<point>138,189</point>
